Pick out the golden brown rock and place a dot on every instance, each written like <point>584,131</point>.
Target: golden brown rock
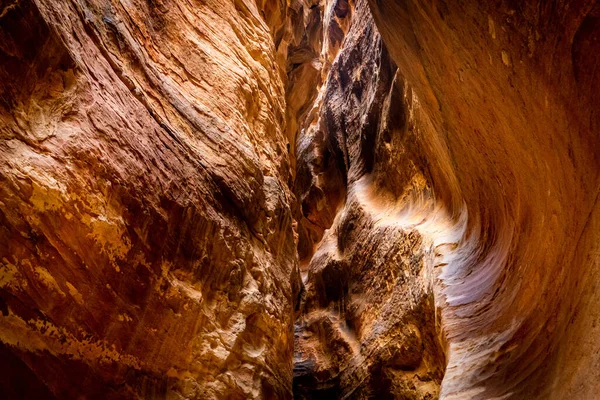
<point>146,238</point>
<point>367,324</point>
<point>511,93</point>
<point>240,199</point>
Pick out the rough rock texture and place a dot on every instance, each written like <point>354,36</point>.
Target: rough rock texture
<point>310,56</point>
<point>367,324</point>
<point>189,189</point>
<point>511,90</point>
<point>146,239</point>
<point>148,244</point>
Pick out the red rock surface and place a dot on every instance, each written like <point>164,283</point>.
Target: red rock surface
<point>146,233</point>
<point>240,199</point>
<point>510,90</point>
<point>367,324</point>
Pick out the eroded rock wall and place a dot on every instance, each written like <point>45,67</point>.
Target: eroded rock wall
<point>511,91</point>
<point>367,321</point>
<point>149,243</point>
<point>191,189</point>
<point>146,239</point>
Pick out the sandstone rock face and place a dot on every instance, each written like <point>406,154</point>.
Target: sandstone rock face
<point>511,93</point>
<point>367,323</point>
<point>146,239</point>
<point>232,199</point>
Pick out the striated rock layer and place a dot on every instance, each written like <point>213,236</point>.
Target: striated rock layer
<point>146,239</point>
<point>264,199</point>
<point>510,90</point>
<point>367,324</point>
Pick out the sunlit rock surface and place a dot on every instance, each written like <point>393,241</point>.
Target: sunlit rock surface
<point>367,322</point>
<point>511,92</point>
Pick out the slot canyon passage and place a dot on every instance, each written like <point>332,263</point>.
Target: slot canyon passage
<point>311,199</point>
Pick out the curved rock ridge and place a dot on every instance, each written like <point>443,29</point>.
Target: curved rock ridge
<point>146,241</point>
<point>511,95</point>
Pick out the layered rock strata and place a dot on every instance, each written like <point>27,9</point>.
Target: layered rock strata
<point>146,240</point>
<point>511,92</point>
<point>367,324</point>
<point>266,199</point>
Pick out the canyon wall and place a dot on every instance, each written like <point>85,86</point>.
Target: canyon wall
<point>146,239</point>
<point>367,322</point>
<point>511,91</point>
<point>166,166</point>
<point>315,199</point>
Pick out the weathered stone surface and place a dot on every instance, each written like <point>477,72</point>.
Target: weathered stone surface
<point>189,189</point>
<point>367,324</point>
<point>511,93</point>
<point>146,239</point>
